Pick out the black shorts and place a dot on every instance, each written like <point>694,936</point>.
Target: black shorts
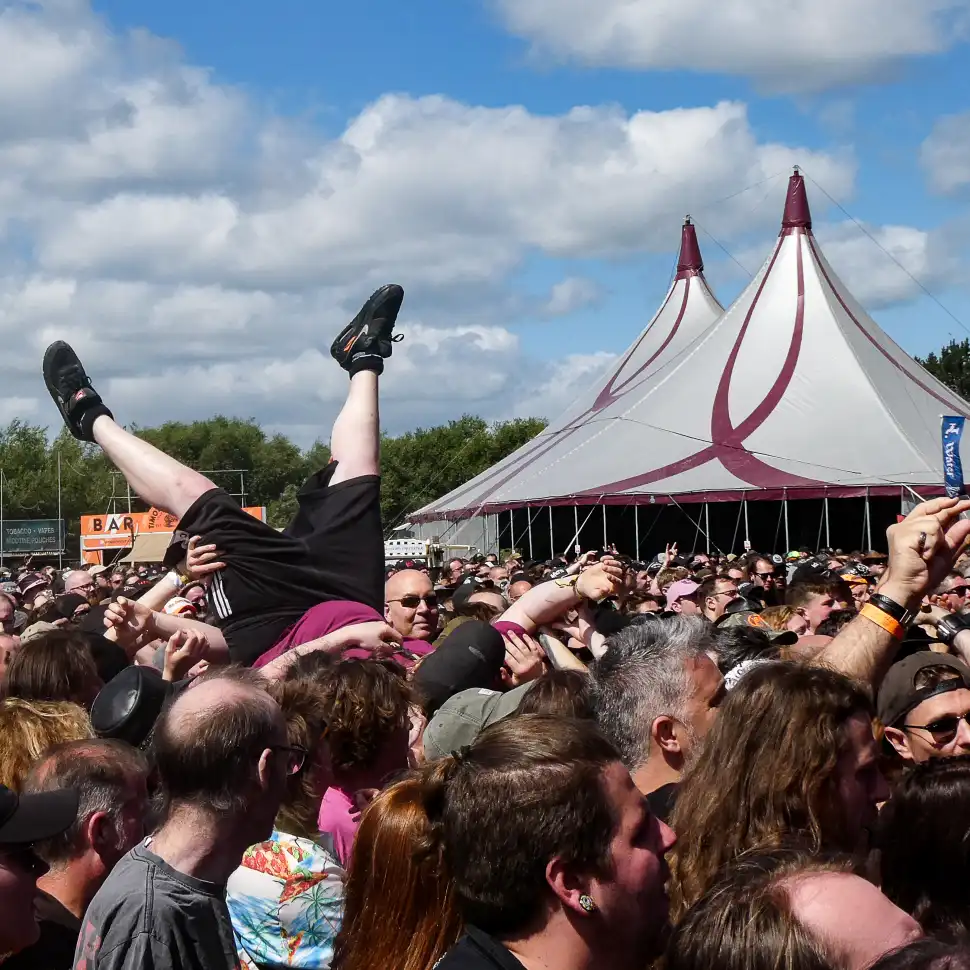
<point>333,550</point>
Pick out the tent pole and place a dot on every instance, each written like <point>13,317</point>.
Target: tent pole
<point>868,523</point>
<point>707,526</point>
<point>747,529</point>
<point>528,526</point>
<point>605,541</point>
<point>575,538</point>
<point>512,529</point>
<point>576,524</point>
<point>636,530</point>
<point>485,534</point>
<point>552,542</point>
<point>784,502</point>
<point>828,537</point>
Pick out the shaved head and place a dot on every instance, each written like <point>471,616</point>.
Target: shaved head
<point>410,605</point>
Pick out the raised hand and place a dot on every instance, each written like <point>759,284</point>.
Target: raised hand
<point>602,580</point>
<point>185,649</point>
<point>129,620</point>
<point>202,561</point>
<point>523,658</point>
<point>923,548</point>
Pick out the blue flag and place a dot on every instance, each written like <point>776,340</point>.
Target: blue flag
<point>952,466</point>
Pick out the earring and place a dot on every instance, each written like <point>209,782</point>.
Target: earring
<point>587,903</point>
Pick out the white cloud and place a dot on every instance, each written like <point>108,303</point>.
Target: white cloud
<point>201,251</point>
<point>571,294</point>
<point>882,266</point>
<point>945,155</point>
<point>786,45</point>
<point>890,267</point>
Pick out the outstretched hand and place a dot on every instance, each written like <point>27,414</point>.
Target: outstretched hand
<point>202,561</point>
<point>923,548</point>
<point>128,619</point>
<point>185,648</point>
<point>375,635</point>
<point>602,580</point>
<point>523,658</point>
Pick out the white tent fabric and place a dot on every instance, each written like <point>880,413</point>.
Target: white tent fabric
<point>793,392</point>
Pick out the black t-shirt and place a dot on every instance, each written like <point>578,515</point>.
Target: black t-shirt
<point>59,930</point>
<point>478,951</point>
<point>662,801</point>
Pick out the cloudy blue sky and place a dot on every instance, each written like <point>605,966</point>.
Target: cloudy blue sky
<point>200,194</point>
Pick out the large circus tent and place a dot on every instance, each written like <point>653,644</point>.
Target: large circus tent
<point>789,419</point>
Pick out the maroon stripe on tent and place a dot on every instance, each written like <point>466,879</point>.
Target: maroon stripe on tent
<point>954,403</point>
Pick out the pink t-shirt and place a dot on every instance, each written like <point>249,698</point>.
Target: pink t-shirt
<point>507,626</point>
<point>332,615</point>
<point>339,818</point>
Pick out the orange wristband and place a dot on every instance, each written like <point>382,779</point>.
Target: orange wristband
<point>889,623</point>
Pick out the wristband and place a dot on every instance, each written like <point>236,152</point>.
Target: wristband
<point>891,608</point>
<point>174,578</point>
<point>889,623</point>
<point>952,624</point>
<point>567,581</point>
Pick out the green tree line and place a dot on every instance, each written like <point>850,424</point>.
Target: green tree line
<point>417,467</point>
<point>951,366</point>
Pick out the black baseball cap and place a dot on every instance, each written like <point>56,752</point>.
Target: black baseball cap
<point>25,819</point>
<point>470,656</point>
<point>898,693</point>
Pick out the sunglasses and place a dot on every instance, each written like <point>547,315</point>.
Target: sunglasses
<point>296,756</point>
<point>944,729</point>
<point>413,602</point>
<point>25,859</point>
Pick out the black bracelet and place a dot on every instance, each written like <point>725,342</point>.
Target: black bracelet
<point>951,625</point>
<point>899,613</point>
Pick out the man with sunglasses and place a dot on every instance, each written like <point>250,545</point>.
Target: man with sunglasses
<point>411,605</point>
<point>924,705</point>
<point>951,594</point>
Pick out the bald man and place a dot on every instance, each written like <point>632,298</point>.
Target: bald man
<point>223,762</point>
<point>519,588</point>
<point>411,605</point>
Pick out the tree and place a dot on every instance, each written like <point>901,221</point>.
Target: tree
<point>416,467</point>
<point>951,366</point>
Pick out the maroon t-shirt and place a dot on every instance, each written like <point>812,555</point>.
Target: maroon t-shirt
<point>333,615</point>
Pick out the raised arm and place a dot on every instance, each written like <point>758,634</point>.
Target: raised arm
<point>548,601</point>
<point>922,550</point>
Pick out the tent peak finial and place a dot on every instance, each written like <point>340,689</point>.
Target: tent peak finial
<point>797,213</point>
<point>690,262</point>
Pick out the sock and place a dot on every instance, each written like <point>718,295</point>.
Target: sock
<point>365,361</point>
<point>87,418</point>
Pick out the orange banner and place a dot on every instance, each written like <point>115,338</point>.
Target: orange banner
<point>117,530</point>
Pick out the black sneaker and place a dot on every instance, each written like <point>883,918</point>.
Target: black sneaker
<point>69,385</point>
<point>367,340</point>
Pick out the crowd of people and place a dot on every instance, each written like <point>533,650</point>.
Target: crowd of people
<point>275,750</point>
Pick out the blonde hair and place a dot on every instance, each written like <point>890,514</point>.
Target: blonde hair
<point>777,616</point>
<point>28,728</point>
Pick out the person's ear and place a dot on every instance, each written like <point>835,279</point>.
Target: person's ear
<point>265,768</point>
<point>900,742</point>
<point>99,832</point>
<point>568,888</point>
<point>664,734</point>
<point>387,610</point>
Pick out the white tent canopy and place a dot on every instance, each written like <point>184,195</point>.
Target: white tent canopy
<point>793,392</point>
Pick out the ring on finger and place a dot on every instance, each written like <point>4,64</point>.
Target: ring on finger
<point>921,544</point>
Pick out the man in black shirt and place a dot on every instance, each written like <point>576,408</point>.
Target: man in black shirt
<point>556,858</point>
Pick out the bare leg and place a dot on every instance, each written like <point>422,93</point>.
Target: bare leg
<point>355,443</point>
<point>158,479</point>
